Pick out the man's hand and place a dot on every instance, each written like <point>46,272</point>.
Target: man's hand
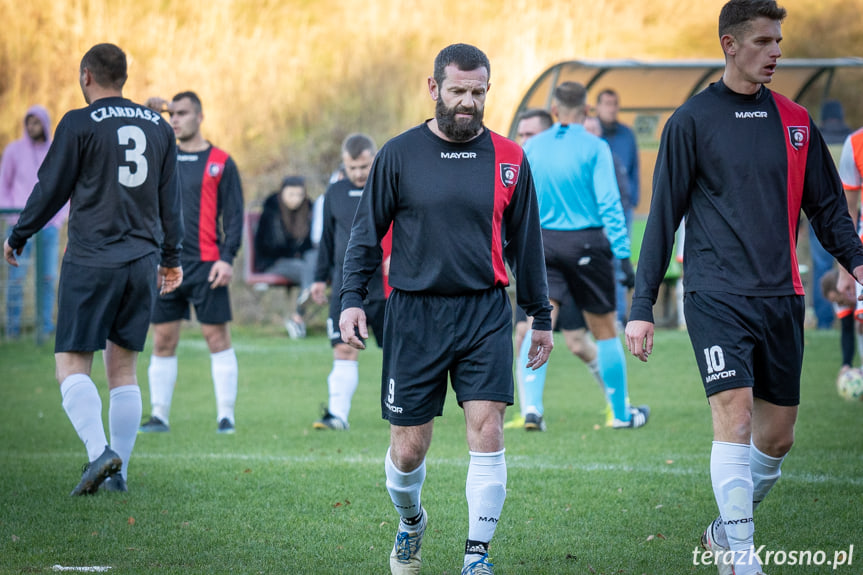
<point>318,291</point>
<point>628,280</point>
<point>10,254</point>
<point>169,279</point>
<point>351,321</point>
<point>639,338</point>
<point>858,275</point>
<point>220,274</point>
<point>541,344</point>
<point>158,104</point>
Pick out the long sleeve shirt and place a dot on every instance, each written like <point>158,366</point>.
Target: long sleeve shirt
<point>741,167</point>
<point>457,210</point>
<point>115,161</point>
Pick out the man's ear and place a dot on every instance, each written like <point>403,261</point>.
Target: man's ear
<point>434,90</point>
<point>729,44</point>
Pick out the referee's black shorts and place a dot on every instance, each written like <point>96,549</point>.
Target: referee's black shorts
<point>569,316</point>
<point>745,341</point>
<point>212,306</point>
<point>99,304</point>
<point>429,337</point>
<point>580,262</point>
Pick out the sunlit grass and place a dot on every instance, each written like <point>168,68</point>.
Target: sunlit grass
<point>280,497</point>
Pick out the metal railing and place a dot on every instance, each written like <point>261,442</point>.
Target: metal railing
<point>31,298</point>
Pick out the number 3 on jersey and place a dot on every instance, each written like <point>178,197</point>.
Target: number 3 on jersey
<point>134,155</point>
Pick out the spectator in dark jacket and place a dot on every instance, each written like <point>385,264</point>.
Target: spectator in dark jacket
<point>284,246</point>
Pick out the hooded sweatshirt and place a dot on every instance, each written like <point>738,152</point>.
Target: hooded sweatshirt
<point>19,167</point>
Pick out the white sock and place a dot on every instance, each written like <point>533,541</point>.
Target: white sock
<point>485,489</point>
<point>162,374</point>
<point>593,367</point>
<point>84,407</point>
<point>224,368</point>
<point>405,489</point>
<point>124,413</point>
<point>342,383</point>
<point>765,473</point>
<point>732,487</point>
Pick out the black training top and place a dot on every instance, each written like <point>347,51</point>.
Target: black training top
<point>740,168</point>
<point>457,209</point>
<point>340,205</point>
<point>212,205</point>
<point>115,161</point>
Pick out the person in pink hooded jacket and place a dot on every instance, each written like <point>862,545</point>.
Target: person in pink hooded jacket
<point>19,167</point>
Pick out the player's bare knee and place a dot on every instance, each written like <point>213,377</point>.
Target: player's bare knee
<point>218,336</point>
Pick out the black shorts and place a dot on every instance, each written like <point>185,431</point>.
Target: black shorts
<point>742,341</point>
<point>580,262</point>
<point>374,309</point>
<point>100,304</point>
<point>212,306</point>
<point>569,316</point>
<point>429,337</point>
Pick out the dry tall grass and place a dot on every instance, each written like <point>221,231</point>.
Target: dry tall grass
<point>283,81</point>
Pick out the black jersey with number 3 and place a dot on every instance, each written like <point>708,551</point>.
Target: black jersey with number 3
<point>115,161</point>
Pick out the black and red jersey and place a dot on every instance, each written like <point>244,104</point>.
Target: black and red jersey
<point>115,162</point>
<point>212,205</point>
<point>740,168</point>
<point>456,209</point>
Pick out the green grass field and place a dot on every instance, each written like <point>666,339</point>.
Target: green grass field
<point>280,497</point>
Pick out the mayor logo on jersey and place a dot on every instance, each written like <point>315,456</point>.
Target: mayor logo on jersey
<point>798,136</point>
<point>509,174</point>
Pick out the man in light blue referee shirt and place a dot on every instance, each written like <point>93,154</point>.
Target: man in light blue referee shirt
<point>583,229</point>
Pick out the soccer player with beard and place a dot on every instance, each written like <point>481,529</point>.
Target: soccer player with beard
<point>741,161</point>
<point>115,162</point>
<point>459,198</point>
<point>213,216</point>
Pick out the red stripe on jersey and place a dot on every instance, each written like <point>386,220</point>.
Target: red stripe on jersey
<point>507,162</point>
<point>387,247</point>
<point>208,233</point>
<point>795,124</point>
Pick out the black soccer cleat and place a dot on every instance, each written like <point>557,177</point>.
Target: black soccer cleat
<point>95,472</point>
<point>114,483</point>
<point>225,426</point>
<point>154,425</point>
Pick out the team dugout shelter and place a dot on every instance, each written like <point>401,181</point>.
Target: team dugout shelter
<point>649,92</point>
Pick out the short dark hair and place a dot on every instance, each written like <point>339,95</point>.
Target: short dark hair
<point>735,16</point>
<point>196,101</point>
<point>464,56</point>
<point>107,64</point>
<point>294,182</point>
<point>355,144</point>
<point>544,116</point>
<point>606,92</point>
<point>571,95</point>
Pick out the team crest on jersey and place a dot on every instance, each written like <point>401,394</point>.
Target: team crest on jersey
<point>214,169</point>
<point>508,174</point>
<point>798,136</point>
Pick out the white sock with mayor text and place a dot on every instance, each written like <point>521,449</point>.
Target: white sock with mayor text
<point>485,489</point>
<point>732,487</point>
